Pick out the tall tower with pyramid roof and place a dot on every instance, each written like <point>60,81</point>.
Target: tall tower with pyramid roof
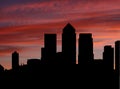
<point>69,45</point>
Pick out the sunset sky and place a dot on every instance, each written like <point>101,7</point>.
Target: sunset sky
<point>23,24</point>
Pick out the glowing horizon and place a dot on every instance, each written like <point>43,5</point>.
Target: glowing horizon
<point>23,24</point>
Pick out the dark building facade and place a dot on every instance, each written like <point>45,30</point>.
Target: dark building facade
<point>33,63</point>
<point>85,53</point>
<point>108,61</point>
<point>117,63</point>
<point>59,58</point>
<point>49,51</point>
<point>117,55</point>
<point>42,55</point>
<point>15,60</point>
<point>108,56</point>
<point>69,45</point>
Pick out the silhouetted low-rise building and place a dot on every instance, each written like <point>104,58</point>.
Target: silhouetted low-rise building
<point>33,62</point>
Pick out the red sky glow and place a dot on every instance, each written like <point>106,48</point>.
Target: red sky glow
<point>23,24</point>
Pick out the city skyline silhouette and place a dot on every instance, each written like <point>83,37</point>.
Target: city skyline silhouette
<point>65,61</point>
<point>68,54</point>
<point>60,44</point>
<point>49,54</point>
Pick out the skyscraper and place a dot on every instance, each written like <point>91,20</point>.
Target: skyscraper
<point>49,52</point>
<point>108,61</point>
<point>69,45</point>
<point>85,54</point>
<point>117,63</point>
<point>108,56</point>
<point>15,60</point>
<point>117,55</point>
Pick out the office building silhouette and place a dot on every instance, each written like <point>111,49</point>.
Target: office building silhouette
<point>33,64</point>
<point>15,60</point>
<point>108,61</point>
<point>49,51</point>
<point>85,53</point>
<point>117,55</point>
<point>69,45</point>
<point>108,56</point>
<point>117,64</point>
